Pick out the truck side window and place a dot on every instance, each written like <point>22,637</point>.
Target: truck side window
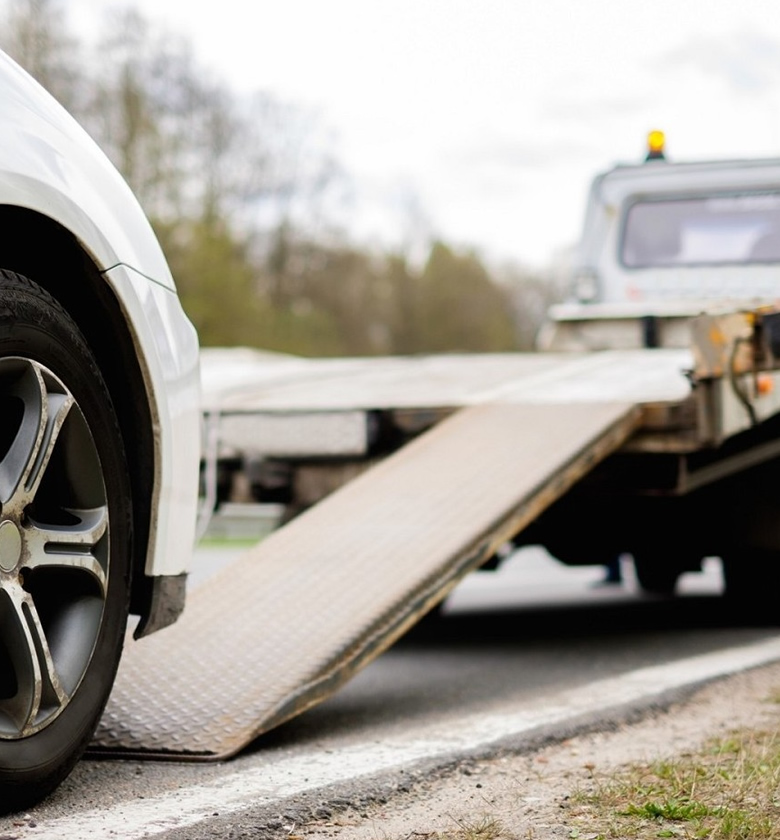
<point>716,230</point>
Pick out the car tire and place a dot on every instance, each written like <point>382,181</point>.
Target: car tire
<point>65,543</point>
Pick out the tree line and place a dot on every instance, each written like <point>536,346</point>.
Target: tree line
<point>241,191</point>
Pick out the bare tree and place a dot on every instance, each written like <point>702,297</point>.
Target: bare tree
<point>35,34</point>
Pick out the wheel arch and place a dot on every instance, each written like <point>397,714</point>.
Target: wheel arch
<point>59,264</point>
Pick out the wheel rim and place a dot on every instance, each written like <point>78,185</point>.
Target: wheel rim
<point>54,548</point>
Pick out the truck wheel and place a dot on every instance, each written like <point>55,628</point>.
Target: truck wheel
<point>64,543</point>
<point>654,575</point>
<point>750,585</point>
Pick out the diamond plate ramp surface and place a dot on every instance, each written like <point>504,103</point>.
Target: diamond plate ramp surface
<point>298,614</point>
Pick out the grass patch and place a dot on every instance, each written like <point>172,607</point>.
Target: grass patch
<point>228,542</point>
<point>728,791</point>
<point>485,828</point>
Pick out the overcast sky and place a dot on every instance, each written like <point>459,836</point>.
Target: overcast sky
<point>495,114</point>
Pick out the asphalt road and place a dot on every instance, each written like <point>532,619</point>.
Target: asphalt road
<point>529,630</point>
<point>532,636</point>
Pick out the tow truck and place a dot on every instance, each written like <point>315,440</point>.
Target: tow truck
<point>647,424</point>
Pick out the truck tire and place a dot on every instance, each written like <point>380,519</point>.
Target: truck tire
<point>655,574</point>
<point>750,585</point>
<point>65,543</point>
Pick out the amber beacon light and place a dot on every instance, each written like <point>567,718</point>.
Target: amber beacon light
<point>656,141</point>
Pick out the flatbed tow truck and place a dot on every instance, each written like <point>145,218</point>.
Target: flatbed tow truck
<point>648,427</point>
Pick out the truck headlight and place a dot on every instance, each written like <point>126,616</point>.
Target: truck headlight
<point>586,285</point>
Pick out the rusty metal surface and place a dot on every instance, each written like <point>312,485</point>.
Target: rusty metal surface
<point>319,598</point>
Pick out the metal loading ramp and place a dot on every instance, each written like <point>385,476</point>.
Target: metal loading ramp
<point>301,612</point>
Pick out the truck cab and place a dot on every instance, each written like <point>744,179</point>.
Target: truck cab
<point>663,241</point>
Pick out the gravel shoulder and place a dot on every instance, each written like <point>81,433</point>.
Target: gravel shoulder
<point>530,795</point>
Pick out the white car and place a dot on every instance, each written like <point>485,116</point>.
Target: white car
<point>99,436</point>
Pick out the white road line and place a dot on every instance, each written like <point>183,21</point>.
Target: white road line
<point>269,784</point>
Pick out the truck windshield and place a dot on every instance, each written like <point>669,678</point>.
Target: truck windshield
<point>716,230</point>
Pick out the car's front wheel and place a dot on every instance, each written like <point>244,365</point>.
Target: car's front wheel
<point>65,553</point>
